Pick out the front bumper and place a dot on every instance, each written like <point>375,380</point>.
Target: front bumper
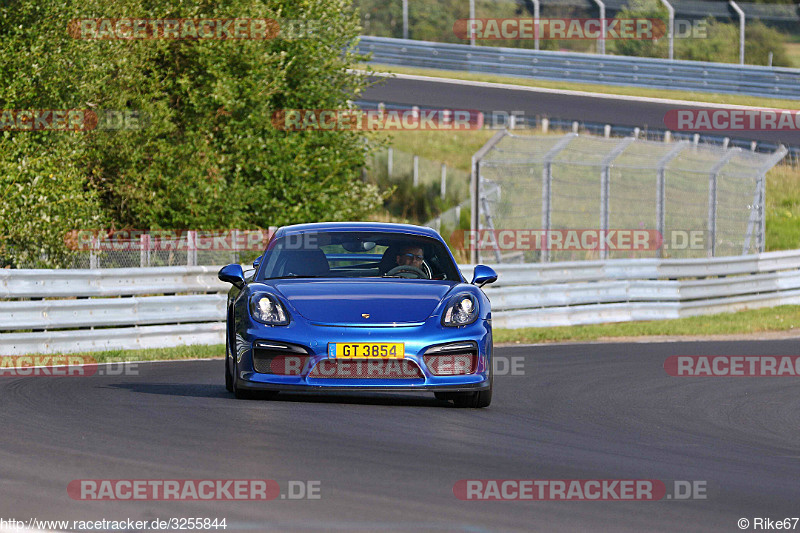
<point>314,340</point>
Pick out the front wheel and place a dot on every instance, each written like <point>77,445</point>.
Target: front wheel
<point>244,394</point>
<point>228,375</point>
<point>476,400</point>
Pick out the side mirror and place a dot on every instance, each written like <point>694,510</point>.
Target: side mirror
<point>232,274</point>
<point>257,261</point>
<point>483,275</point>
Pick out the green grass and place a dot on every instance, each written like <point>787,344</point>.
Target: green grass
<point>782,318</point>
<point>783,208</point>
<point>793,51</point>
<point>157,354</point>
<point>596,88</point>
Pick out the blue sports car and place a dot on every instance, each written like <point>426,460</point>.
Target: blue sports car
<point>359,307</point>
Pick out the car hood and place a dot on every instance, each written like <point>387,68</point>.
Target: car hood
<point>344,302</point>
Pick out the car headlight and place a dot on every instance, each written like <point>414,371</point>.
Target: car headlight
<point>267,309</point>
<point>461,311</point>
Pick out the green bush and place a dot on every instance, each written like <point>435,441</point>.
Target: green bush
<point>209,156</point>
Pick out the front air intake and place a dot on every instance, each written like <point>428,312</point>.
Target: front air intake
<point>280,359</point>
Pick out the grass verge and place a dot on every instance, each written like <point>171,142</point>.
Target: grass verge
<point>157,354</point>
<point>714,98</point>
<point>793,51</point>
<point>753,321</point>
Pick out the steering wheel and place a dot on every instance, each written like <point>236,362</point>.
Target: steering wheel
<point>404,271</point>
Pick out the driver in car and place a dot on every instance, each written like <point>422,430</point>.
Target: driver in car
<point>409,262</point>
<point>410,255</point>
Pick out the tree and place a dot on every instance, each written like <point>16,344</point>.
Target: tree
<point>209,156</point>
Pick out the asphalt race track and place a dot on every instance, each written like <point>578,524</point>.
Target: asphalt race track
<point>619,112</point>
<point>389,462</point>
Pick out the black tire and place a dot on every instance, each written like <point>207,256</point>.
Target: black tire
<point>228,375</point>
<point>244,394</point>
<point>476,400</point>
<point>241,394</point>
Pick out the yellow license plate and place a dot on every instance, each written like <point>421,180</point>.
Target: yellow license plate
<point>366,350</point>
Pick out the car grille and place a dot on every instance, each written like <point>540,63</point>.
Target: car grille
<point>366,369</point>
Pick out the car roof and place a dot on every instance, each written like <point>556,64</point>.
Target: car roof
<point>359,226</point>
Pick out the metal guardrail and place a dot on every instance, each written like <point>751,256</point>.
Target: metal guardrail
<point>111,300</point>
<point>587,68</point>
<point>620,290</point>
<point>131,338</point>
<point>530,295</point>
<point>50,314</point>
<point>33,283</point>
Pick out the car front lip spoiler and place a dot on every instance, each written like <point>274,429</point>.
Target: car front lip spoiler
<point>256,386</point>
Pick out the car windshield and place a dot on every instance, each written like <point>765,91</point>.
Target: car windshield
<point>358,254</point>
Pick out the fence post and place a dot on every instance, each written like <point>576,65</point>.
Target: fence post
<point>605,187</point>
<point>416,171</point>
<point>545,125</point>
<point>741,14</point>
<point>474,186</point>
<point>712,200</point>
<point>191,248</point>
<point>405,19</point>
<point>144,250</point>
<point>762,234</point>
<point>661,170</point>
<point>759,201</point>
<point>389,162</point>
<point>443,186</point>
<point>671,28</point>
<point>547,186</point>
<point>93,252</point>
<point>601,41</point>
